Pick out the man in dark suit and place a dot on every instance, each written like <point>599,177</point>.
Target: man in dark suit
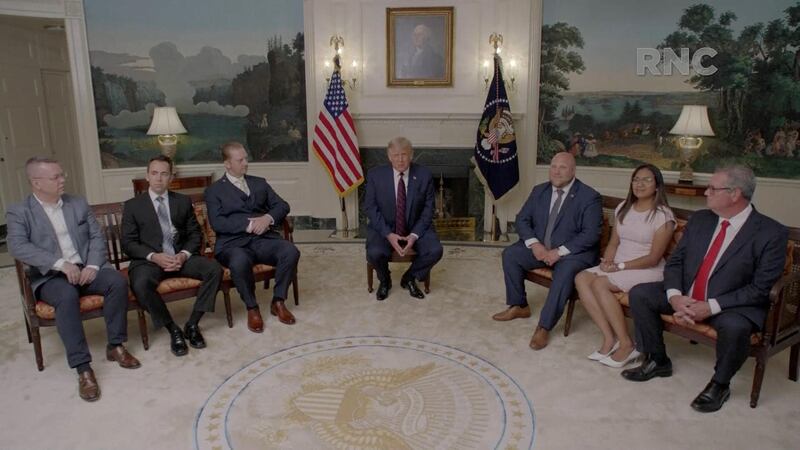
<point>399,206</point>
<point>721,272</point>
<point>161,235</point>
<point>245,213</point>
<point>559,226</point>
<point>58,237</point>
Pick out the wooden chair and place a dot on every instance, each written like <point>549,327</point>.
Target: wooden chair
<point>186,185</point>
<point>397,258</point>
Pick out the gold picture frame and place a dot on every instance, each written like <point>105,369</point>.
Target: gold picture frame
<point>419,46</point>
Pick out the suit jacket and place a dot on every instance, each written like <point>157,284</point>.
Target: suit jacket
<point>141,231</point>
<point>32,238</point>
<point>745,272</point>
<point>380,201</point>
<point>578,225</point>
<point>229,210</point>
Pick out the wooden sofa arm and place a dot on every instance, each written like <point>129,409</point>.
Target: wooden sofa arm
<point>26,292</point>
<point>777,305</point>
<point>288,228</point>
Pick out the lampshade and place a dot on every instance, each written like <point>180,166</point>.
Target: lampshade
<point>166,121</point>
<point>693,121</point>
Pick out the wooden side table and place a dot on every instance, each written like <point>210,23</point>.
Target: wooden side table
<point>686,190</point>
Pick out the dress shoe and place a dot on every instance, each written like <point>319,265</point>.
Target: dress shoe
<point>539,338</point>
<point>611,362</point>
<point>280,310</point>
<point>413,289</point>
<point>88,388</point>
<point>177,344</point>
<point>712,398</point>
<point>383,291</point>
<point>513,312</point>
<point>254,321</point>
<point>649,369</point>
<point>192,332</point>
<point>597,356</point>
<point>120,354</point>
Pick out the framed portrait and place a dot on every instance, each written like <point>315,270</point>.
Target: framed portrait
<point>419,47</point>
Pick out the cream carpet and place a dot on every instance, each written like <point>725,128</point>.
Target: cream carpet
<point>356,373</point>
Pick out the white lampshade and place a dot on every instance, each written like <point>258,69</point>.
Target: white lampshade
<point>693,122</point>
<point>166,121</point>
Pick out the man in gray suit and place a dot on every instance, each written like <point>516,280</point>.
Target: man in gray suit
<point>58,237</point>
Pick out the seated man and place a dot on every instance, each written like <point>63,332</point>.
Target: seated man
<point>559,226</point>
<point>58,237</point>
<point>161,235</point>
<point>399,206</point>
<point>245,212</point>
<point>721,272</point>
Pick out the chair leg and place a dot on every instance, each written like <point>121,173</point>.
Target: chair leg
<point>570,310</point>
<point>27,328</point>
<point>793,355</point>
<point>143,328</point>
<point>758,378</point>
<point>226,295</point>
<point>427,284</point>
<point>369,277</point>
<point>37,348</point>
<point>295,291</point>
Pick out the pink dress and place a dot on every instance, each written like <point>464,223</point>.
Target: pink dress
<point>636,234</point>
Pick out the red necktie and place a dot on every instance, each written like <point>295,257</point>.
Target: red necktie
<point>400,208</point>
<point>701,279</point>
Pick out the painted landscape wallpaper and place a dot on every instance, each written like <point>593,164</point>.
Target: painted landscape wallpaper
<point>233,70</point>
<point>594,104</point>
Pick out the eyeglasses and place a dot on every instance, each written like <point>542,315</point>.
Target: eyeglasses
<point>715,189</point>
<point>643,180</point>
<point>56,177</point>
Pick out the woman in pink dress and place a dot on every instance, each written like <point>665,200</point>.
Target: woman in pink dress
<point>635,254</point>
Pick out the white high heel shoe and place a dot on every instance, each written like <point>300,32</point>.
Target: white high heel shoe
<point>609,361</point>
<point>597,356</point>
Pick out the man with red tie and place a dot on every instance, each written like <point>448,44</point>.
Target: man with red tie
<point>721,273</point>
<point>399,206</point>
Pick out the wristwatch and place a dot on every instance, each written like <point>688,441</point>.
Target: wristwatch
<point>621,266</point>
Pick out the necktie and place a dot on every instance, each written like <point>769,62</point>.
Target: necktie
<point>400,208</point>
<point>551,220</point>
<point>241,184</point>
<point>701,279</point>
<point>166,226</point>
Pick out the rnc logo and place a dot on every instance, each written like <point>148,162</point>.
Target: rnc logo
<point>660,62</point>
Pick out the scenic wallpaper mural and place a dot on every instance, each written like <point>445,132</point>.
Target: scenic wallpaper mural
<point>594,104</point>
<point>233,70</point>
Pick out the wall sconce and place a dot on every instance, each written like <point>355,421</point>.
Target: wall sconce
<point>692,123</point>
<point>486,73</point>
<point>166,125</point>
<point>497,43</point>
<point>512,73</point>
<point>337,42</point>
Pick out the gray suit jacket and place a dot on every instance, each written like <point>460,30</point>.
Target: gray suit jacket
<point>32,238</point>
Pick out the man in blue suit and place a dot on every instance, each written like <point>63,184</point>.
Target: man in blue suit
<point>399,206</point>
<point>57,235</point>
<point>245,213</point>
<point>559,227</point>
<point>721,273</point>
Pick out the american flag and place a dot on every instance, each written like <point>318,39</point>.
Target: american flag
<point>335,142</point>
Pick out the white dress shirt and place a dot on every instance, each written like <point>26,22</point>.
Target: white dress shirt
<point>154,199</point>
<point>562,251</point>
<point>736,224</point>
<point>69,253</point>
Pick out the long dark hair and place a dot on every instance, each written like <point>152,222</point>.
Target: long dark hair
<point>661,194</point>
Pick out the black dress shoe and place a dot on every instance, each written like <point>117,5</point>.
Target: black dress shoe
<point>712,398</point>
<point>412,287</point>
<point>192,333</point>
<point>177,343</point>
<point>649,369</point>
<point>383,291</point>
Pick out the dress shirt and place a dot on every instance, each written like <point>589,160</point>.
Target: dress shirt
<point>736,224</point>
<point>154,199</point>
<point>239,182</point>
<point>405,181</point>
<point>562,251</point>
<point>69,253</point>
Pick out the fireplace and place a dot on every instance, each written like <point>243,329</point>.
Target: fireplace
<point>458,192</point>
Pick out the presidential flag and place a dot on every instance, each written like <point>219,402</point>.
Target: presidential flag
<point>335,142</point>
<point>496,145</point>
